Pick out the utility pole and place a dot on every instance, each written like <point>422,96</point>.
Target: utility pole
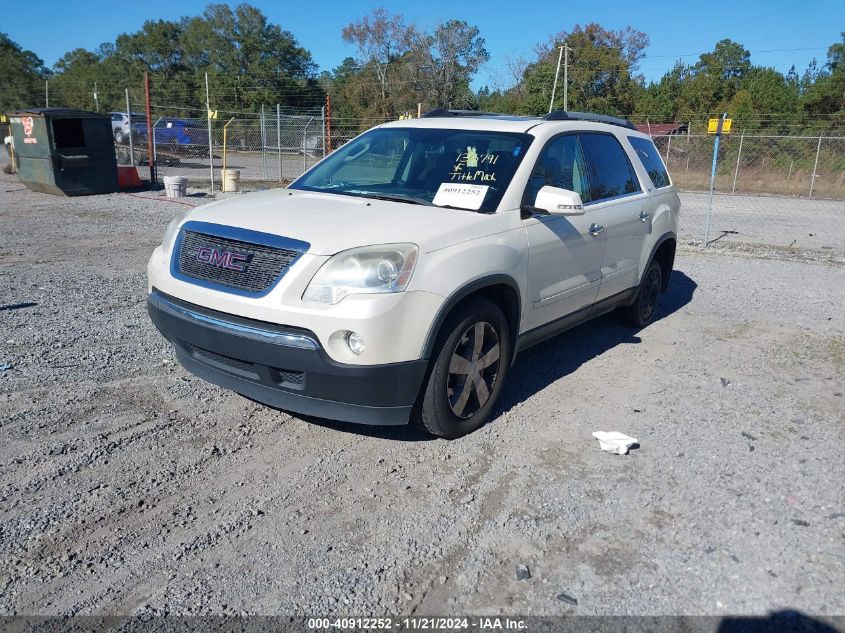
<point>263,144</point>
<point>96,98</point>
<point>323,118</point>
<point>129,121</point>
<point>150,131</point>
<point>566,50</point>
<point>557,72</point>
<point>46,93</point>
<point>563,55</point>
<point>279,138</point>
<point>329,123</point>
<point>210,148</point>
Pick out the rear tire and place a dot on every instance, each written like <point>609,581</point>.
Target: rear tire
<point>641,312</point>
<point>118,137</point>
<point>466,377</point>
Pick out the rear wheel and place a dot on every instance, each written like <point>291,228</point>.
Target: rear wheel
<point>641,312</point>
<point>468,372</point>
<point>118,136</point>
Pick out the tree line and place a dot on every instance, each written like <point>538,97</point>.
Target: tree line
<point>252,62</point>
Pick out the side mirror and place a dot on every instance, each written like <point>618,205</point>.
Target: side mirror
<point>556,201</point>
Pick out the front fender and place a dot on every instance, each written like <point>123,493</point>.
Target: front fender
<point>460,270</point>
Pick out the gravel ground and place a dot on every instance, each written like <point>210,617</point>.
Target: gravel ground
<point>780,221</point>
<point>127,485</point>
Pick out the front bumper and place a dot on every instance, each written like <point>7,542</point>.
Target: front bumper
<point>284,367</point>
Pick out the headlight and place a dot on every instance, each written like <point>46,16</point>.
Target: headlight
<point>367,270</point>
<point>172,229</point>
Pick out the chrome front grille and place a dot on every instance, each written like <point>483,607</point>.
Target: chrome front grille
<point>222,261</point>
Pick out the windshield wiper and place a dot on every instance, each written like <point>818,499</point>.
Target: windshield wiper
<point>393,197</point>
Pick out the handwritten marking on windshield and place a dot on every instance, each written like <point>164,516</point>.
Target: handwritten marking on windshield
<point>471,159</point>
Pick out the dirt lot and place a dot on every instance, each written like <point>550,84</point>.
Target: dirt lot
<point>127,485</point>
<point>781,221</point>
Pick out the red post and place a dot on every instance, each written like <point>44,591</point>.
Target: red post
<point>328,124</point>
<point>150,157</point>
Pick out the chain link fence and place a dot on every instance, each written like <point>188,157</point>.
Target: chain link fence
<point>771,190</point>
<point>780,191</point>
<point>269,147</point>
<point>811,167</point>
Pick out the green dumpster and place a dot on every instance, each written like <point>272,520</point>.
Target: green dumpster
<point>64,152</point>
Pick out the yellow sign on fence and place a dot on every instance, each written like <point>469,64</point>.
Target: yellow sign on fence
<point>713,126</point>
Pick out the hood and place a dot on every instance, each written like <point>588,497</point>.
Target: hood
<point>333,223</point>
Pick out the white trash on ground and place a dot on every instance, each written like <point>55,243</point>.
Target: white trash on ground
<point>614,441</point>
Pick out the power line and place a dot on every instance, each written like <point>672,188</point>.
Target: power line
<point>791,8</point>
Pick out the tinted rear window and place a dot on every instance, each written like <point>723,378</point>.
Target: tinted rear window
<point>652,161</point>
<point>610,170</point>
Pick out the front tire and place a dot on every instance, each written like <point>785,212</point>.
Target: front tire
<point>468,372</point>
<point>641,312</point>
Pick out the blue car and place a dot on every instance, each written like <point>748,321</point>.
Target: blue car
<point>174,134</point>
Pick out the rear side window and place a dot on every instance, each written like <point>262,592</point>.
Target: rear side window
<point>611,174</point>
<point>652,161</point>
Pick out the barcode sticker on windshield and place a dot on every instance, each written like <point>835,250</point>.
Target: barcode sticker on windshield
<point>459,195</point>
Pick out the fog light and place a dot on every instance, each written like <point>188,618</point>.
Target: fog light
<point>355,342</point>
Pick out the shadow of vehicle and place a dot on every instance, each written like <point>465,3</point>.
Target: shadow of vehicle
<point>403,433</point>
<point>540,366</point>
<point>788,621</point>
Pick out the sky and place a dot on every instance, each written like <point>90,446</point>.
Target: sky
<point>779,33</point>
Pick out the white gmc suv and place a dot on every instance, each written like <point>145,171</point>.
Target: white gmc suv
<point>398,278</point>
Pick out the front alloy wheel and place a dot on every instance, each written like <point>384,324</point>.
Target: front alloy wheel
<point>467,373</point>
<point>473,370</point>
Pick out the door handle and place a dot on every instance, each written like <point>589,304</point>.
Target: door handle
<point>595,229</point>
<point>644,215</point>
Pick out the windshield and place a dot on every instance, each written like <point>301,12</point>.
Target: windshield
<point>464,169</point>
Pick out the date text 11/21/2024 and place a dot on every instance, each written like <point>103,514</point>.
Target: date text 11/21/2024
<point>419,623</point>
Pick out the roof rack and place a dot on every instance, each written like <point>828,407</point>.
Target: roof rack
<point>563,115</point>
<point>442,112</point>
